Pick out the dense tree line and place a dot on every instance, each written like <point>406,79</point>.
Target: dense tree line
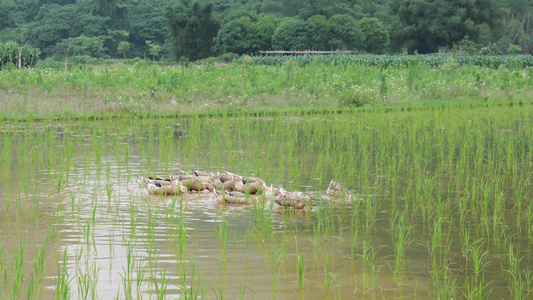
<point>197,29</point>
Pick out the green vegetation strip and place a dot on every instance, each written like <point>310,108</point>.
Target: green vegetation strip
<point>145,89</point>
<point>375,60</point>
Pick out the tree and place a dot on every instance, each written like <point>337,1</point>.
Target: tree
<point>468,46</point>
<point>526,43</point>
<point>11,21</point>
<point>376,35</point>
<point>192,29</point>
<point>52,24</point>
<point>82,45</point>
<point>430,24</point>
<point>245,32</point>
<point>236,36</point>
<point>293,7</point>
<point>264,30</point>
<point>145,21</point>
<point>112,40</point>
<point>88,25</point>
<point>113,10</point>
<point>318,30</point>
<point>339,32</point>
<point>345,33</point>
<point>7,10</point>
<point>291,34</point>
<point>155,49</point>
<point>55,23</point>
<point>272,7</point>
<point>308,8</point>
<point>518,32</point>
<point>123,47</point>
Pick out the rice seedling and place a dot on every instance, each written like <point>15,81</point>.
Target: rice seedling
<point>130,259</point>
<point>161,288</point>
<point>94,275</point>
<point>478,257</point>
<point>401,233</point>
<point>301,271</point>
<point>194,287</point>
<point>87,232</point>
<point>242,290</point>
<point>223,236</point>
<point>275,269</point>
<point>140,273</point>
<point>476,288</point>
<point>328,276</point>
<point>18,270</point>
<point>3,266</point>
<point>30,287</point>
<point>62,288</point>
<point>39,260</point>
<point>84,284</point>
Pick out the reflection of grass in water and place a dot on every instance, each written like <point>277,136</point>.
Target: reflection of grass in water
<point>223,236</point>
<point>275,254</point>
<point>63,280</point>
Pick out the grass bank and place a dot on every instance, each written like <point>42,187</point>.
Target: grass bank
<point>142,88</point>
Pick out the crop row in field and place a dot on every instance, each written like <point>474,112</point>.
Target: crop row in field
<point>376,60</point>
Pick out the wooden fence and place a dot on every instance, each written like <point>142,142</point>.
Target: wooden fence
<point>304,52</point>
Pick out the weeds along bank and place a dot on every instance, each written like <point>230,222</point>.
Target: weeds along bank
<point>442,209</point>
<point>145,88</point>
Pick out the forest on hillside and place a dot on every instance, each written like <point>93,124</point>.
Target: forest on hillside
<point>192,29</point>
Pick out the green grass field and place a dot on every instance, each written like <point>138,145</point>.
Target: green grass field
<point>144,88</point>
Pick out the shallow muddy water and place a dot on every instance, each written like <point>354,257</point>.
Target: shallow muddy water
<point>435,213</point>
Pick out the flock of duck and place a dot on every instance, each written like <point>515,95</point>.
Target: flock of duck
<point>235,189</point>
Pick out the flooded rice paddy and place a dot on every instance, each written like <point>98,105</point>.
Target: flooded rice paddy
<point>441,207</point>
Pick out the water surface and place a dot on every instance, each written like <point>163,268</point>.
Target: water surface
<point>74,186</point>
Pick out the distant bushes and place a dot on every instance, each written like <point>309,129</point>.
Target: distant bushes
<point>246,32</point>
<point>9,55</point>
<point>81,60</point>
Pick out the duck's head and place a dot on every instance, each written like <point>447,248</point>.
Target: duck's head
<point>184,190</point>
<point>309,202</point>
<point>335,186</point>
<point>304,201</point>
